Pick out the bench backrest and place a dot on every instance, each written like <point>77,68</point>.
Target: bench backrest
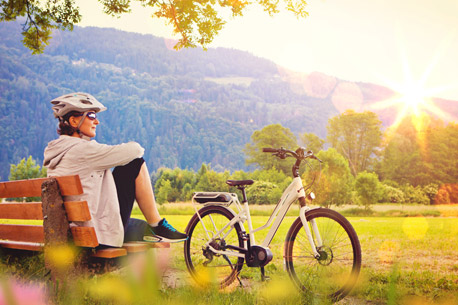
<point>31,237</point>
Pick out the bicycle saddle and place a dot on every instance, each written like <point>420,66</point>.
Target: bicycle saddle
<point>239,182</point>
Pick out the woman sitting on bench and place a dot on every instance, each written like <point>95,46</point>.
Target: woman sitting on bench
<point>110,195</point>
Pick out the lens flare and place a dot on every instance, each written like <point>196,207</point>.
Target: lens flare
<point>415,227</point>
<point>413,100</point>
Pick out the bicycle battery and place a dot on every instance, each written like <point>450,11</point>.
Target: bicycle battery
<point>219,198</point>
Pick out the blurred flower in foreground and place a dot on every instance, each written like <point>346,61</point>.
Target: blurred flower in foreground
<point>62,257</point>
<point>111,288</point>
<point>279,291</point>
<point>12,292</point>
<point>388,251</point>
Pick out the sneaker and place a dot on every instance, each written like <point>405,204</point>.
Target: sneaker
<point>164,232</point>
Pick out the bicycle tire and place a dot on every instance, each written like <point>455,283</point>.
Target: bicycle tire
<point>334,274</point>
<point>200,260</point>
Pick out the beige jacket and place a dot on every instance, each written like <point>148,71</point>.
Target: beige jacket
<point>92,162</point>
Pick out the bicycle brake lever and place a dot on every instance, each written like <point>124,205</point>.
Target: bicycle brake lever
<point>314,157</point>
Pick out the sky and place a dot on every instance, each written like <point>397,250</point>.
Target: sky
<point>400,44</point>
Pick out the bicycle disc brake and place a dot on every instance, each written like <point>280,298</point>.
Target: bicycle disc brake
<point>326,255</point>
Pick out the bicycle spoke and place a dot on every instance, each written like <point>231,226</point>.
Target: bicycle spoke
<point>200,258</point>
<point>331,274</point>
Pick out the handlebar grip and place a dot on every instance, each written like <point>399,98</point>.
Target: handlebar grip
<point>268,149</point>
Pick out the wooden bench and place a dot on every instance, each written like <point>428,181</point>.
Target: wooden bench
<point>56,215</point>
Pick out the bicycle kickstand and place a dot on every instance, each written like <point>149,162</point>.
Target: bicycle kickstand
<point>263,275</point>
<point>232,267</point>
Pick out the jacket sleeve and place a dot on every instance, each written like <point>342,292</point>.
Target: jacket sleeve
<point>102,156</point>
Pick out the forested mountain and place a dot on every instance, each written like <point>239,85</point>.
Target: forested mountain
<point>185,107</point>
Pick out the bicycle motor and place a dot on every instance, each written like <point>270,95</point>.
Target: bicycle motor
<point>258,256</point>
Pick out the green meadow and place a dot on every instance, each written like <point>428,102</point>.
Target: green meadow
<point>406,260</point>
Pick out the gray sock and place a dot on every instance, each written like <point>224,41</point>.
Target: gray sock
<point>155,224</point>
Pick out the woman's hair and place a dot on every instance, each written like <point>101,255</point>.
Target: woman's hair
<point>64,125</point>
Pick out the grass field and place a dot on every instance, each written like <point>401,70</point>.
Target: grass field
<point>381,210</point>
<point>406,260</point>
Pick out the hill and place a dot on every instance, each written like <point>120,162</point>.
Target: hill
<point>184,107</point>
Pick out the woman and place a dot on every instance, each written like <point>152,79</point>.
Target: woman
<point>110,195</point>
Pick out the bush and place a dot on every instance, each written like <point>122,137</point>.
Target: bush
<point>414,194</point>
<point>430,191</point>
<point>391,194</point>
<point>263,192</point>
<point>368,188</point>
<point>448,193</point>
<point>442,197</point>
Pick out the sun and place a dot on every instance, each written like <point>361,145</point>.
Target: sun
<point>411,99</point>
<point>414,98</point>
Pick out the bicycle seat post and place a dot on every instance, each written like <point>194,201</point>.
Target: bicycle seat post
<point>242,188</point>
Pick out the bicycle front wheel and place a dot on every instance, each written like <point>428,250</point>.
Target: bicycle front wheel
<point>206,266</point>
<point>336,271</point>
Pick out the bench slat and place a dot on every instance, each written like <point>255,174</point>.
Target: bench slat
<point>105,253</point>
<point>68,185</point>
<point>27,233</point>
<point>110,253</point>
<point>84,237</point>
<point>25,210</point>
<point>77,211</point>
<point>140,246</point>
<point>162,245</point>
<point>130,247</point>
<point>134,247</point>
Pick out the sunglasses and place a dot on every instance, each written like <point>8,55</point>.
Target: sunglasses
<point>90,115</point>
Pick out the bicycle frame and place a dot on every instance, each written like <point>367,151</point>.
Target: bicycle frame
<point>292,193</point>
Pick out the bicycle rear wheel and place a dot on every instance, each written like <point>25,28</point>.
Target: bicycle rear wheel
<point>205,266</point>
<point>336,271</point>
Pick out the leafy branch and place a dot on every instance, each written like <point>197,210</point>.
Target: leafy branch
<point>197,22</point>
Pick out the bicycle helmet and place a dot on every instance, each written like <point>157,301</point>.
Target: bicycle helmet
<point>78,101</point>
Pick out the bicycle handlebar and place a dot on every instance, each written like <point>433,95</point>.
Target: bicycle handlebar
<point>299,154</point>
<point>267,149</point>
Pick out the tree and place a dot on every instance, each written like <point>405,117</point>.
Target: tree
<point>442,153</point>
<point>197,22</point>
<point>163,191</point>
<point>368,188</point>
<point>27,170</point>
<point>211,181</point>
<point>274,136</point>
<point>312,142</point>
<point>420,156</point>
<point>357,136</point>
<point>334,184</point>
